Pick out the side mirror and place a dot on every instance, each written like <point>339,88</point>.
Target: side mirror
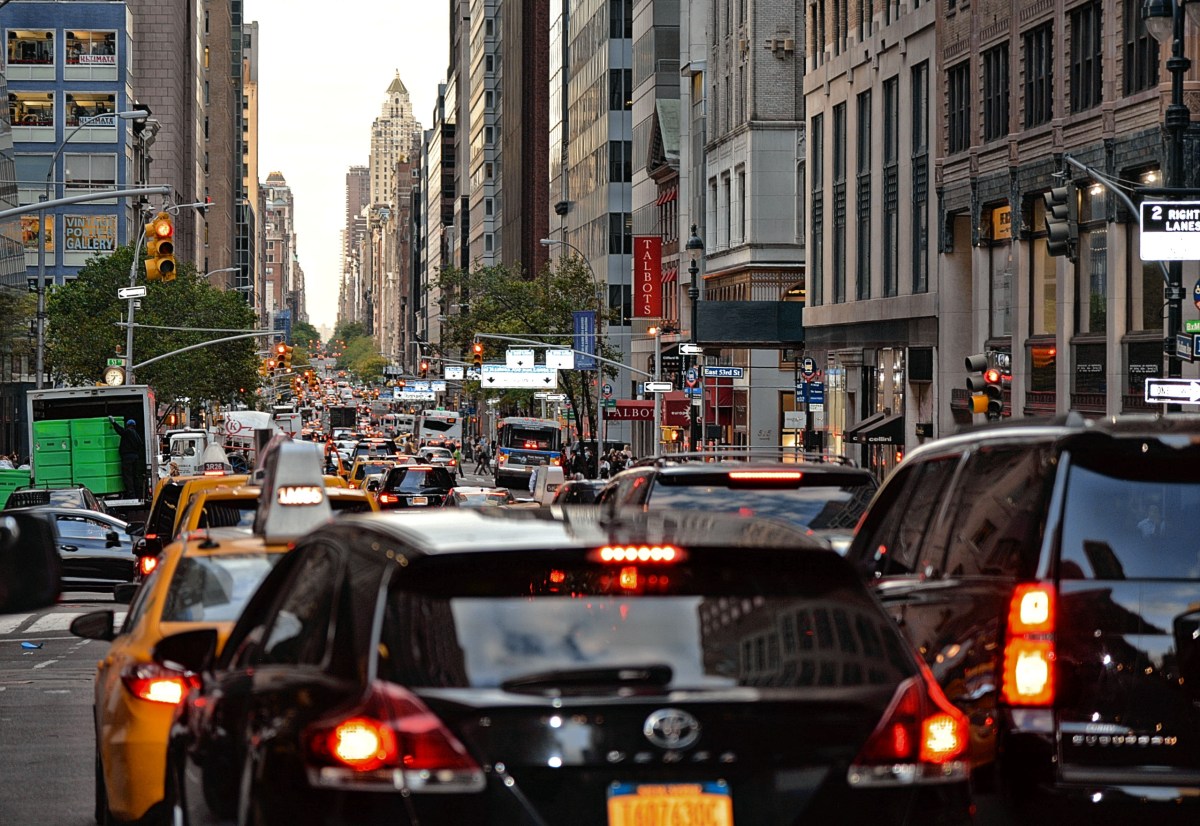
<point>98,625</point>
<point>29,564</point>
<point>373,485</point>
<point>190,650</point>
<point>123,592</point>
<point>112,539</point>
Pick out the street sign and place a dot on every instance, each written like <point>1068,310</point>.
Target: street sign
<point>1185,346</point>
<point>556,397</point>
<point>712,372</point>
<point>692,377</point>
<point>808,367</point>
<point>659,387</point>
<point>1183,391</point>
<point>1192,325</point>
<point>1170,230</point>
<point>607,390</point>
<point>688,349</point>
<point>131,292</point>
<point>407,395</point>
<point>453,372</point>
<point>497,375</point>
<point>560,359</point>
<point>793,420</point>
<point>117,362</point>
<point>517,358</point>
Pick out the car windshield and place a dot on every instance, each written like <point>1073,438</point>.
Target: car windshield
<point>228,514</point>
<point>482,500</point>
<point>214,588</point>
<point>830,501</point>
<point>686,628</point>
<point>414,479</point>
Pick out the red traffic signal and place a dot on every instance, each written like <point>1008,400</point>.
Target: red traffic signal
<point>160,248</point>
<point>477,354</point>
<point>991,376</point>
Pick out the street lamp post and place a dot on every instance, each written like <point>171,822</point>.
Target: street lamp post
<point>1164,22</point>
<point>599,435</point>
<point>223,269</point>
<point>695,248</point>
<point>40,357</point>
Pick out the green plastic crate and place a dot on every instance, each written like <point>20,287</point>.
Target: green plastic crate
<point>93,469</point>
<point>98,426</point>
<point>53,477</point>
<point>95,456</point>
<point>51,458</point>
<point>53,429</point>
<point>46,444</point>
<point>10,479</point>
<point>100,485</point>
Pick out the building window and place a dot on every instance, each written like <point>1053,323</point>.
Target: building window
<point>620,89</point>
<point>489,27</point>
<point>30,47</point>
<point>1140,49</point>
<point>995,92</point>
<point>741,205</point>
<point>891,184</point>
<point>489,100</point>
<point>487,135</point>
<point>958,82</point>
<point>30,172</point>
<point>487,206</point>
<point>1000,260</point>
<point>1092,268</point>
<point>839,203</point>
<point>31,108</point>
<point>620,161</point>
<point>727,196</point>
<point>620,233</point>
<point>1086,57</point>
<point>920,177</point>
<point>489,63</point>
<point>1039,75</point>
<point>488,242</point>
<point>816,262</point>
<point>620,19</point>
<point>1043,281</point>
<point>862,275</point>
<point>89,48</point>
<point>83,172</point>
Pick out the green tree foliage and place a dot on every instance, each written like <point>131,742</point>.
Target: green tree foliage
<point>18,308</point>
<point>83,332</point>
<point>502,300</point>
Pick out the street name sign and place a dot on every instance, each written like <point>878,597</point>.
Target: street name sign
<point>1185,346</point>
<point>560,359</point>
<point>659,387</point>
<point>1170,230</point>
<point>1192,325</point>
<point>414,395</point>
<point>499,375</point>
<point>131,292</point>
<point>714,372</point>
<point>1183,391</point>
<point>687,349</point>
<point>453,372</point>
<point>516,358</point>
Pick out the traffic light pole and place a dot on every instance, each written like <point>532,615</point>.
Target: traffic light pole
<point>133,265</point>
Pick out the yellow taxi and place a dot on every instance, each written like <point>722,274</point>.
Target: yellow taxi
<point>202,581</point>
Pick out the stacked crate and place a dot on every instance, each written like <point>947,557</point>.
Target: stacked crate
<point>52,453</point>
<point>10,480</point>
<point>95,458</point>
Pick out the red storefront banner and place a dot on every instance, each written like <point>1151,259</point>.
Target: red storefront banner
<point>674,411</point>
<point>647,276</point>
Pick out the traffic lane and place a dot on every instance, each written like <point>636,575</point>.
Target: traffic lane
<point>46,731</point>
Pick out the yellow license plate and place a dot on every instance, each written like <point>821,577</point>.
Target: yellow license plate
<point>418,500</point>
<point>671,804</point>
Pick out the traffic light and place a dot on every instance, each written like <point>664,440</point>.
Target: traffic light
<point>986,386</point>
<point>160,248</point>
<point>423,370</point>
<point>1062,220</point>
<point>287,356</point>
<point>477,355</point>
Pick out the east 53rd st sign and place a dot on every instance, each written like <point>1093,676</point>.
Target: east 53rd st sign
<point>1170,230</point>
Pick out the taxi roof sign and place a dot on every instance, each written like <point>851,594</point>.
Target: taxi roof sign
<point>293,500</point>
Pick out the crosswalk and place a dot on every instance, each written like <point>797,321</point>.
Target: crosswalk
<point>42,623</point>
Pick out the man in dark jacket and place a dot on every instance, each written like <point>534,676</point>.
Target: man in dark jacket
<point>133,461</point>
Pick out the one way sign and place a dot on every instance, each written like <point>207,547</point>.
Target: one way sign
<point>1180,391</point>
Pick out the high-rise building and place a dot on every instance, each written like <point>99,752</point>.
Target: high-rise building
<point>280,273</point>
<point>248,244</point>
<point>357,198</point>
<point>395,133</point>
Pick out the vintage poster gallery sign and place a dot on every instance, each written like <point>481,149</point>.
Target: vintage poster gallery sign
<point>90,233</point>
<point>647,276</point>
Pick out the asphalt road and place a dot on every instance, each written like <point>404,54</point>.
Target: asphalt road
<point>46,740</point>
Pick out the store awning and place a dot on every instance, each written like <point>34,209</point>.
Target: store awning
<point>879,429</point>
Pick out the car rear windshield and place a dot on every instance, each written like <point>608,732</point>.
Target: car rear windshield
<point>214,588</point>
<point>559,621</point>
<point>818,501</point>
<point>1130,513</point>
<point>405,478</point>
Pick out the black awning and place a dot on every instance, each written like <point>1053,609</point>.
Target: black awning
<point>879,429</point>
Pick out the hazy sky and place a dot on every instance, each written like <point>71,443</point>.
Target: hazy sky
<point>323,74</point>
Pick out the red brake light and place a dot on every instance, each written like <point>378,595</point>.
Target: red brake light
<point>638,553</point>
<point>1029,652</point>
<point>157,684</point>
<point>146,564</point>
<point>388,498</point>
<point>766,475</point>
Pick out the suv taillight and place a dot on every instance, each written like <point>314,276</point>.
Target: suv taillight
<point>1029,646</point>
<point>155,683</point>
<point>391,740</point>
<point>922,738</point>
<point>387,498</point>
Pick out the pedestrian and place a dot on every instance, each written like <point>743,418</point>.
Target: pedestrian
<point>458,461</point>
<point>481,459</point>
<point>133,462</point>
<point>6,463</point>
<point>605,467</point>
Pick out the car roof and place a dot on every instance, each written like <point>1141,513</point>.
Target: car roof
<point>437,532</point>
<point>57,509</point>
<point>724,465</point>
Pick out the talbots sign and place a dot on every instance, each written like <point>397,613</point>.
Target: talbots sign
<point>647,276</point>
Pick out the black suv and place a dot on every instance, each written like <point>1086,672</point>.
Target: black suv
<point>415,486</point>
<point>826,495</point>
<point>1050,575</point>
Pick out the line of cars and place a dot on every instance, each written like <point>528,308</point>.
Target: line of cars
<point>998,622</point>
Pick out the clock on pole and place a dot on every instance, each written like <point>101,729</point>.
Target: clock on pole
<point>114,376</point>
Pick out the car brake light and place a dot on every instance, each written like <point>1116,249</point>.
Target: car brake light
<point>555,461</point>
<point>1029,653</point>
<point>392,740</point>
<point>156,683</point>
<point>921,738</point>
<point>766,475</point>
<point>146,564</point>
<point>388,498</point>
<point>638,553</point>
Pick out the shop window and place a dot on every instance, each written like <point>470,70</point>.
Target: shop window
<point>89,48</point>
<point>1043,366</point>
<point>31,108</point>
<point>1091,368</point>
<point>1043,279</point>
<point>1147,295</point>
<point>1145,361</point>
<point>30,47</point>
<point>1091,270</point>
<point>83,105</point>
<point>997,229</point>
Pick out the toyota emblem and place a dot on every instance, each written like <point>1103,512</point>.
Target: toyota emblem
<point>671,728</point>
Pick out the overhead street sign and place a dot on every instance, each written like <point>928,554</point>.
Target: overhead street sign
<point>131,292</point>
<point>498,375</point>
<point>1170,230</point>
<point>688,349</point>
<point>414,395</point>
<point>659,387</point>
<point>560,359</point>
<point>453,372</point>
<point>1183,391</point>
<point>517,358</point>
<point>713,372</point>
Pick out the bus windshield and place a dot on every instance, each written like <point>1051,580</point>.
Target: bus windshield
<point>531,436</point>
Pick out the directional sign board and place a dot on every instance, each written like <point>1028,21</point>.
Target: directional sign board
<point>560,359</point>
<point>688,349</point>
<point>414,395</point>
<point>692,377</point>
<point>1170,230</point>
<point>518,358</point>
<point>131,292</point>
<point>453,372</point>
<point>659,387</point>
<point>1182,391</point>
<point>713,372</point>
<point>808,367</point>
<point>499,375</point>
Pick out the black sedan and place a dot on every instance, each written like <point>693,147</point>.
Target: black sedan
<point>96,548</point>
<point>415,486</point>
<point>521,667</point>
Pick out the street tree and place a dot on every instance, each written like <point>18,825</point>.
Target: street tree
<point>83,331</point>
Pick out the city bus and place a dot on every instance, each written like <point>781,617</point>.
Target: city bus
<point>523,444</point>
<point>437,426</point>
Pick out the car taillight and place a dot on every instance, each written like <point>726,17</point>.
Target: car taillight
<point>1029,646</point>
<point>146,564</point>
<point>555,461</point>
<point>922,738</point>
<point>155,683</point>
<point>392,740</point>
<point>388,498</point>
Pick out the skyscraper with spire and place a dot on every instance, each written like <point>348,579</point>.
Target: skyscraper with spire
<point>395,136</point>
